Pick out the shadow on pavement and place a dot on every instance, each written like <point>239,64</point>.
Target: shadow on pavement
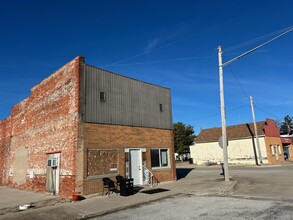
<point>182,172</point>
<point>153,191</point>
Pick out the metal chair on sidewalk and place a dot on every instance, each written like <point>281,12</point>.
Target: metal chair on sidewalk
<point>109,185</point>
<point>118,180</point>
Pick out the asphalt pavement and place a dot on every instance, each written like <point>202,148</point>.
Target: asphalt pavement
<point>192,179</point>
<point>189,206</point>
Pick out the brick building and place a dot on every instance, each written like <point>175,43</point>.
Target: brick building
<point>287,142</point>
<point>83,123</point>
<point>242,146</point>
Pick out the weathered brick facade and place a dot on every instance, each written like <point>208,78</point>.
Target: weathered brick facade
<point>5,138</point>
<point>45,122</point>
<point>49,122</point>
<point>97,136</point>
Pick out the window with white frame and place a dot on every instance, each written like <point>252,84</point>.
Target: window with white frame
<point>159,157</point>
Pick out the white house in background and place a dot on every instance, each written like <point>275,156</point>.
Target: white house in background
<point>242,148</point>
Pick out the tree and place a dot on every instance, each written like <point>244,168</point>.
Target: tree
<point>286,127</point>
<point>183,137</point>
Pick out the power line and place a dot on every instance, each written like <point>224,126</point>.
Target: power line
<point>254,49</point>
<point>165,61</point>
<point>157,48</point>
<point>138,55</point>
<point>237,80</point>
<point>277,117</point>
<point>216,114</point>
<point>257,39</point>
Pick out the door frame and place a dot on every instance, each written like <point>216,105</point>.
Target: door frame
<point>141,150</point>
<point>54,172</point>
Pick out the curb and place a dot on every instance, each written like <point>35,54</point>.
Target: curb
<point>101,213</point>
<point>105,212</point>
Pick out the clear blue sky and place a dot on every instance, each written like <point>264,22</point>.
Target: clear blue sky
<point>169,43</point>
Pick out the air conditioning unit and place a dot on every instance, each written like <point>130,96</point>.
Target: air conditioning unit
<point>52,162</point>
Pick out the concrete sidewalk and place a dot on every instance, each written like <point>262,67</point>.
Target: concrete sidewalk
<point>195,181</point>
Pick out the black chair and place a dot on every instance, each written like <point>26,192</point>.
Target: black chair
<point>109,185</point>
<point>118,180</point>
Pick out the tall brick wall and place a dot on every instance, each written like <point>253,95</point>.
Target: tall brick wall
<point>45,122</point>
<point>121,137</point>
<point>5,138</point>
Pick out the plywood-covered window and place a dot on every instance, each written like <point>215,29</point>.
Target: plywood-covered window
<point>102,162</point>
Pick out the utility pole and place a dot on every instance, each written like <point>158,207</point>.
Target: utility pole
<point>223,116</point>
<point>255,131</point>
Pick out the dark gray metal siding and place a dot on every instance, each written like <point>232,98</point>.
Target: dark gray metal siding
<point>128,101</point>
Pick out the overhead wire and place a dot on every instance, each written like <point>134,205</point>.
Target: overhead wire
<point>256,39</point>
<point>237,80</point>
<point>216,114</point>
<point>165,61</point>
<point>275,116</point>
<point>118,63</point>
<point>156,48</point>
<point>137,55</point>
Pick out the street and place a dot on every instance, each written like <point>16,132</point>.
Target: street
<point>254,192</point>
<point>207,207</point>
<point>264,192</point>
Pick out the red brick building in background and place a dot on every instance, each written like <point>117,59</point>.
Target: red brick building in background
<point>287,142</point>
<point>83,123</point>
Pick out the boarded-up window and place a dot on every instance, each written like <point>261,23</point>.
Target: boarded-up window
<point>102,161</point>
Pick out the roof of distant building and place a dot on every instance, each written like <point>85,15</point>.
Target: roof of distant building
<point>233,132</point>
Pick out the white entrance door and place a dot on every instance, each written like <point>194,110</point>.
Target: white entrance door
<point>136,166</point>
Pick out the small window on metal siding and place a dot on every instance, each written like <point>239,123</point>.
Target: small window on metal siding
<point>102,96</point>
<point>161,107</point>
